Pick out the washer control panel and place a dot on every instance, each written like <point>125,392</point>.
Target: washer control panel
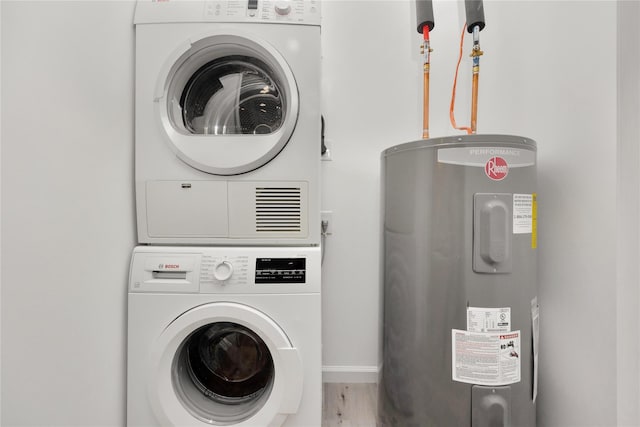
<point>221,269</point>
<point>229,270</point>
<point>225,270</point>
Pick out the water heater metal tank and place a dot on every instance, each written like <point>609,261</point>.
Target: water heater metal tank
<point>460,321</point>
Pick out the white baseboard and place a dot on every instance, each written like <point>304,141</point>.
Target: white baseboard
<point>350,374</point>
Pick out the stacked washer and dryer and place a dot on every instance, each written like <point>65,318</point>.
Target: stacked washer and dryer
<point>224,322</point>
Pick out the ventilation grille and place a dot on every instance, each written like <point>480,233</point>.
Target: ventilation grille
<point>278,209</point>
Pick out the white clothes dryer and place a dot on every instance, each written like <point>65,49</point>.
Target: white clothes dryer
<point>228,126</point>
<point>224,336</point>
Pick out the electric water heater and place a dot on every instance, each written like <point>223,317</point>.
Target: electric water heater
<point>460,320</point>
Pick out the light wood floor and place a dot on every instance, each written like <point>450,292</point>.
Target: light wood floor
<point>349,405</point>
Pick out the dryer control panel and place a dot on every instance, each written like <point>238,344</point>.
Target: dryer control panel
<point>306,12</point>
<point>291,11</point>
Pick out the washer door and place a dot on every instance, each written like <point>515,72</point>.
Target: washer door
<point>224,364</point>
<point>227,102</point>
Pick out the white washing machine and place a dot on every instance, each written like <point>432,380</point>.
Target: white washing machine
<point>228,126</point>
<point>225,337</point>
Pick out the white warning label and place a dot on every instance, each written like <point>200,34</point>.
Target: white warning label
<point>522,213</point>
<point>481,319</point>
<point>485,358</point>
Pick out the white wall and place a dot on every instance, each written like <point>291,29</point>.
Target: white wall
<point>67,210</point>
<point>368,106</point>
<point>67,201</point>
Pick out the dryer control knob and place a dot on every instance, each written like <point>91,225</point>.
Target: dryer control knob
<point>283,7</point>
<point>223,271</point>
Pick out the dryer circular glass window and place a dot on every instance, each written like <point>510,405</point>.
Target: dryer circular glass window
<point>232,95</point>
<point>228,103</point>
<point>223,373</point>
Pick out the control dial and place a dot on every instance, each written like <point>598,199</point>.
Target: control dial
<point>283,7</point>
<point>223,271</point>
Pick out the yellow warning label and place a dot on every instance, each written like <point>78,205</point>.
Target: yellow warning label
<point>534,222</point>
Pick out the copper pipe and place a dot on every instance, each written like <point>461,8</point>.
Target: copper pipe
<point>426,52</point>
<point>425,107</point>
<point>476,53</point>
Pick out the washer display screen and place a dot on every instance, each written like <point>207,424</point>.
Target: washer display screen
<point>280,270</point>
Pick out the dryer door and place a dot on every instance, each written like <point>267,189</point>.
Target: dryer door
<point>224,364</point>
<point>227,102</point>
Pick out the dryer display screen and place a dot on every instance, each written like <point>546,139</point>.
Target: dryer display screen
<point>280,270</point>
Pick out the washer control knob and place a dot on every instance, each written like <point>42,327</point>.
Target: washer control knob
<point>283,7</point>
<point>223,271</point>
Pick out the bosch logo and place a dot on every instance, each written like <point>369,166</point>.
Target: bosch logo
<point>170,266</point>
<point>496,168</point>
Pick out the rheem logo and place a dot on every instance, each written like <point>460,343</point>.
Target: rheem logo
<point>496,168</point>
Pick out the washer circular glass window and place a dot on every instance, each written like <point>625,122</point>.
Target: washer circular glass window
<point>223,373</point>
<point>229,104</point>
